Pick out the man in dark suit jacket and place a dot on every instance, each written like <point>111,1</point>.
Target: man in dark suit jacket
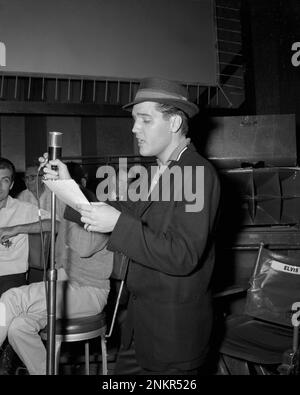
<point>167,236</point>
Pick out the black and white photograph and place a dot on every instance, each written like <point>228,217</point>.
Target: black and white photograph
<point>149,190</point>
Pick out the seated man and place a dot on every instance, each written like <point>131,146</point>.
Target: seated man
<point>17,219</point>
<point>82,289</point>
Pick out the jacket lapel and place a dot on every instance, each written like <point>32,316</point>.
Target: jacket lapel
<point>145,202</point>
<point>156,192</point>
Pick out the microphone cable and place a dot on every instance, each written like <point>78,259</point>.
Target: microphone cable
<point>41,232</point>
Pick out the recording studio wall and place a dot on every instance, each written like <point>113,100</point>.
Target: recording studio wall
<point>24,138</point>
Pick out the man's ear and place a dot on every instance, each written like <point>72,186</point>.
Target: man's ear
<point>11,185</point>
<point>176,122</point>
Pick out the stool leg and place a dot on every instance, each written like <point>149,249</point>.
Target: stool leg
<point>222,368</point>
<point>236,366</point>
<point>57,355</point>
<point>87,358</point>
<point>104,355</point>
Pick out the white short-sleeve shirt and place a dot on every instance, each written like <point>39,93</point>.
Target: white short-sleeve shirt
<point>14,259</point>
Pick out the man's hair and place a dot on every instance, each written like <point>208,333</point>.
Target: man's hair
<point>32,165</point>
<point>167,110</point>
<point>7,164</point>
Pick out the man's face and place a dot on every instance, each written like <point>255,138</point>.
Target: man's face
<point>30,179</point>
<point>6,183</point>
<point>152,131</point>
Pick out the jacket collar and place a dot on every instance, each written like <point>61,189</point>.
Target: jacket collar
<point>176,154</point>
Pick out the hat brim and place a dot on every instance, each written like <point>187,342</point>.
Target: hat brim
<point>186,106</point>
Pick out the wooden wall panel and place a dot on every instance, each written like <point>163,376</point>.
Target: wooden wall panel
<point>13,140</point>
<point>114,136</point>
<point>88,136</point>
<point>36,138</point>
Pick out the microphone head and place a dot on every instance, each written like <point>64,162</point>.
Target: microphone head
<point>54,145</point>
<point>55,139</point>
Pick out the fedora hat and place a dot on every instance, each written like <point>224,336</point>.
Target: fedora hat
<point>163,91</point>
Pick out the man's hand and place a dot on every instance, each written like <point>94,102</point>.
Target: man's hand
<point>6,233</point>
<point>61,171</point>
<point>99,218</point>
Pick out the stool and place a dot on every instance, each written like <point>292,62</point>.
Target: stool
<point>79,329</point>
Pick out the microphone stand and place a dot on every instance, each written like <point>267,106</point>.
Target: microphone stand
<point>51,295</point>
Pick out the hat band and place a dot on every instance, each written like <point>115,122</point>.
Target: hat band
<point>153,94</point>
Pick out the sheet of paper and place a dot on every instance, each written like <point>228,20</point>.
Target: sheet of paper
<point>67,191</point>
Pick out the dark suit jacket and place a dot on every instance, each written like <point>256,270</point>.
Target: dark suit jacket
<point>171,258</point>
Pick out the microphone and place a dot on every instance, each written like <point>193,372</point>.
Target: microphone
<point>54,146</point>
